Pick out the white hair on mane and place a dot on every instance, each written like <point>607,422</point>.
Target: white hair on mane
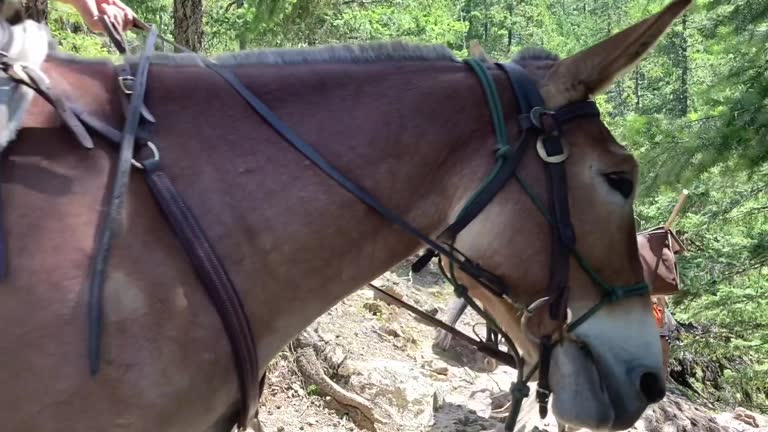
<point>374,52</point>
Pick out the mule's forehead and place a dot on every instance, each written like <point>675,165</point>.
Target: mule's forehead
<point>538,63</point>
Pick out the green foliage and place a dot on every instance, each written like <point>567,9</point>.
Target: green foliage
<point>695,112</point>
<point>70,31</point>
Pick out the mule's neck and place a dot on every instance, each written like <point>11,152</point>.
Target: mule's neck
<point>417,136</point>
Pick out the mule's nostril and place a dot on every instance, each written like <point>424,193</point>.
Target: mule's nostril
<point>652,387</point>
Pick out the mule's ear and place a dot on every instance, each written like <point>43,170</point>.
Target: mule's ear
<point>477,52</point>
<point>593,69</point>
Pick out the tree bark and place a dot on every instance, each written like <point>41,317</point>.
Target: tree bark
<point>684,72</point>
<point>311,370</point>
<point>637,89</point>
<point>188,23</point>
<point>241,37</point>
<point>36,10</point>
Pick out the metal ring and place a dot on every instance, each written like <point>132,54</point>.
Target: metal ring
<point>123,82</point>
<point>527,314</point>
<point>155,155</point>
<point>551,159</point>
<point>536,113</point>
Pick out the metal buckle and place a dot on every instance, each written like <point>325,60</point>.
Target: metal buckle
<point>155,155</point>
<point>536,113</point>
<point>543,393</point>
<point>548,158</point>
<point>123,80</point>
<point>527,314</point>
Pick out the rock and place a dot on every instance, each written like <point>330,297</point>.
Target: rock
<point>441,370</point>
<point>326,337</point>
<point>746,417</point>
<point>500,400</point>
<point>392,330</point>
<point>398,390</point>
<point>374,307</point>
<point>436,366</point>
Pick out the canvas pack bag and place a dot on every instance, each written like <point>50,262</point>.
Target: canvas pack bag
<point>658,248</point>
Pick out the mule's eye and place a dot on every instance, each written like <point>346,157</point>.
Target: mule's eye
<point>619,182</point>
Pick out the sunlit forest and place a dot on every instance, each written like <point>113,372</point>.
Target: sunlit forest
<point>695,113</point>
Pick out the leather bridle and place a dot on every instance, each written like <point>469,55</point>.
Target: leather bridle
<point>541,128</point>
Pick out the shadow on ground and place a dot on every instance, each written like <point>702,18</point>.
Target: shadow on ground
<point>459,418</point>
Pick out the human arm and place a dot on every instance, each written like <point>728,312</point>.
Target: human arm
<point>120,15</point>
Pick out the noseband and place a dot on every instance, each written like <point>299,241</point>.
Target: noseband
<point>541,128</point>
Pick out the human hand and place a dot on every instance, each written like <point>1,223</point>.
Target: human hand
<point>115,11</point>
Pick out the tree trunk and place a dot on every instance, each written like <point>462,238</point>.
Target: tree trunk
<point>241,37</point>
<point>36,10</point>
<point>188,23</point>
<point>638,105</point>
<point>684,71</point>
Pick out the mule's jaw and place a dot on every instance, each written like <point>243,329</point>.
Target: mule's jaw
<point>615,379</point>
<point>579,396</point>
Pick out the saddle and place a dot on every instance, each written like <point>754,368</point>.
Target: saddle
<point>658,248</point>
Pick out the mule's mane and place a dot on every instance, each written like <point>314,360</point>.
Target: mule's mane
<point>374,52</point>
<point>535,54</point>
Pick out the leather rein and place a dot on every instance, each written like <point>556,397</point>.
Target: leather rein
<point>541,128</point>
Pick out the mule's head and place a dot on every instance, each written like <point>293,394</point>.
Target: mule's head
<point>608,370</point>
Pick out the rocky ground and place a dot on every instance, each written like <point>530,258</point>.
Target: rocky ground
<point>365,359</point>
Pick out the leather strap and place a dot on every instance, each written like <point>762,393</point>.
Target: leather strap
<point>474,270</point>
<point>114,35</point>
<point>207,265</point>
<point>486,348</point>
<point>35,80</point>
<point>110,219</point>
<point>124,75</point>
<point>221,291</point>
<point>205,261</point>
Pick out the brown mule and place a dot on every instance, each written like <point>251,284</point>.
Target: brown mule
<point>409,124</point>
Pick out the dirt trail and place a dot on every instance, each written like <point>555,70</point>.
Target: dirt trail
<point>384,355</point>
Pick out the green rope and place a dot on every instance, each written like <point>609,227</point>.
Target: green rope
<point>497,116</point>
<point>494,103</point>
